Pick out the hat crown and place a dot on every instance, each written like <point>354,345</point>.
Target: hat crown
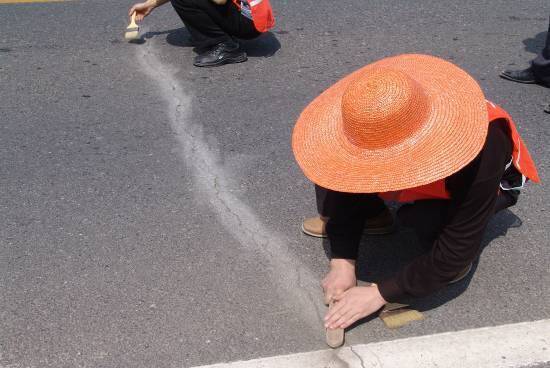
<point>382,108</point>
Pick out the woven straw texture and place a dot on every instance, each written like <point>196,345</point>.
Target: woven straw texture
<point>398,123</point>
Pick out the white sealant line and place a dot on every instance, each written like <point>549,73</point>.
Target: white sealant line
<point>506,346</point>
<point>296,284</point>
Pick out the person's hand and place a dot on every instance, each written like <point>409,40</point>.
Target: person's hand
<point>142,10</point>
<point>340,278</point>
<point>354,304</point>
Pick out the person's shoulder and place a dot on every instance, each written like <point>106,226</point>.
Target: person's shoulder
<point>498,145</point>
<point>498,133</point>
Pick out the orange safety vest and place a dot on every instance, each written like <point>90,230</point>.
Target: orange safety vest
<point>521,159</point>
<point>262,13</point>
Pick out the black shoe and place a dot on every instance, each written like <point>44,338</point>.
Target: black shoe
<point>547,109</point>
<point>520,76</point>
<point>227,52</point>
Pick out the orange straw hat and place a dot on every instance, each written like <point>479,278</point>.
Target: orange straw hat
<point>398,123</point>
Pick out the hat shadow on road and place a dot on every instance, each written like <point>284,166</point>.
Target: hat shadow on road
<point>266,45</point>
<point>382,256</point>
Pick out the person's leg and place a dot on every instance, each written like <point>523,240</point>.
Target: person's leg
<point>211,24</point>
<point>378,220</point>
<point>538,72</point>
<point>541,64</point>
<point>330,202</point>
<point>347,214</point>
<point>426,217</point>
<point>204,31</point>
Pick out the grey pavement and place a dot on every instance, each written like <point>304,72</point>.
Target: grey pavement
<point>119,244</point>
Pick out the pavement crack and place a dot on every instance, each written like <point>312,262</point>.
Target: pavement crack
<point>378,360</point>
<point>295,282</point>
<point>360,358</point>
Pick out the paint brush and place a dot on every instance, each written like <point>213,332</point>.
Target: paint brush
<point>396,315</point>
<point>132,31</point>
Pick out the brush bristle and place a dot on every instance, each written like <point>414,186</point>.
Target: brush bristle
<point>401,317</point>
<point>335,338</point>
<point>131,35</point>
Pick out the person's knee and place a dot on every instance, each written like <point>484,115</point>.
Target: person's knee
<point>405,215</point>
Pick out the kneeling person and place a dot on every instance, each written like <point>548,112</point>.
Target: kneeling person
<point>414,129</point>
<point>214,25</point>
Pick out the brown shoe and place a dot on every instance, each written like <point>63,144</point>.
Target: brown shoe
<point>462,274</point>
<point>379,225</point>
<point>315,226</point>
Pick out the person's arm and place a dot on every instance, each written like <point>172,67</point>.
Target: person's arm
<point>144,9</point>
<point>347,213</point>
<point>475,190</point>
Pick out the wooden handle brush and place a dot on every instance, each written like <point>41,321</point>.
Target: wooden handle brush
<point>132,31</point>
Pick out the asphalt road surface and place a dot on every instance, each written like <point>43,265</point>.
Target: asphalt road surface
<point>150,211</point>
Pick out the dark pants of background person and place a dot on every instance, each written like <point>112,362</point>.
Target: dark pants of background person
<point>424,216</point>
<point>541,64</point>
<point>210,24</point>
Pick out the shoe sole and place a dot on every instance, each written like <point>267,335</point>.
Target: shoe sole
<point>235,60</point>
<point>369,231</point>
<point>505,76</point>
<point>315,235</point>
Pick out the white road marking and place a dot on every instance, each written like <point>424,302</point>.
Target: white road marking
<point>296,284</point>
<point>514,345</point>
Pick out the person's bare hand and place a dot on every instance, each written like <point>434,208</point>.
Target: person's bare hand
<point>340,278</point>
<point>352,305</point>
<point>142,10</point>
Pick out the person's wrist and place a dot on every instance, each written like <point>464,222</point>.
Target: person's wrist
<point>342,263</point>
<point>379,298</point>
<point>152,3</point>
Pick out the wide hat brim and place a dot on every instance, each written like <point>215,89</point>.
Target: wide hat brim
<point>453,134</point>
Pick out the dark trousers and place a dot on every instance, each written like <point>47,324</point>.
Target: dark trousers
<point>426,217</point>
<point>210,24</point>
<point>541,64</point>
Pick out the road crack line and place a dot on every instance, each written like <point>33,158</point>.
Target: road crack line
<point>295,283</point>
<point>361,359</point>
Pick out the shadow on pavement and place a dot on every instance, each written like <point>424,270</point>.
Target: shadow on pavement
<point>535,44</point>
<point>265,45</point>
